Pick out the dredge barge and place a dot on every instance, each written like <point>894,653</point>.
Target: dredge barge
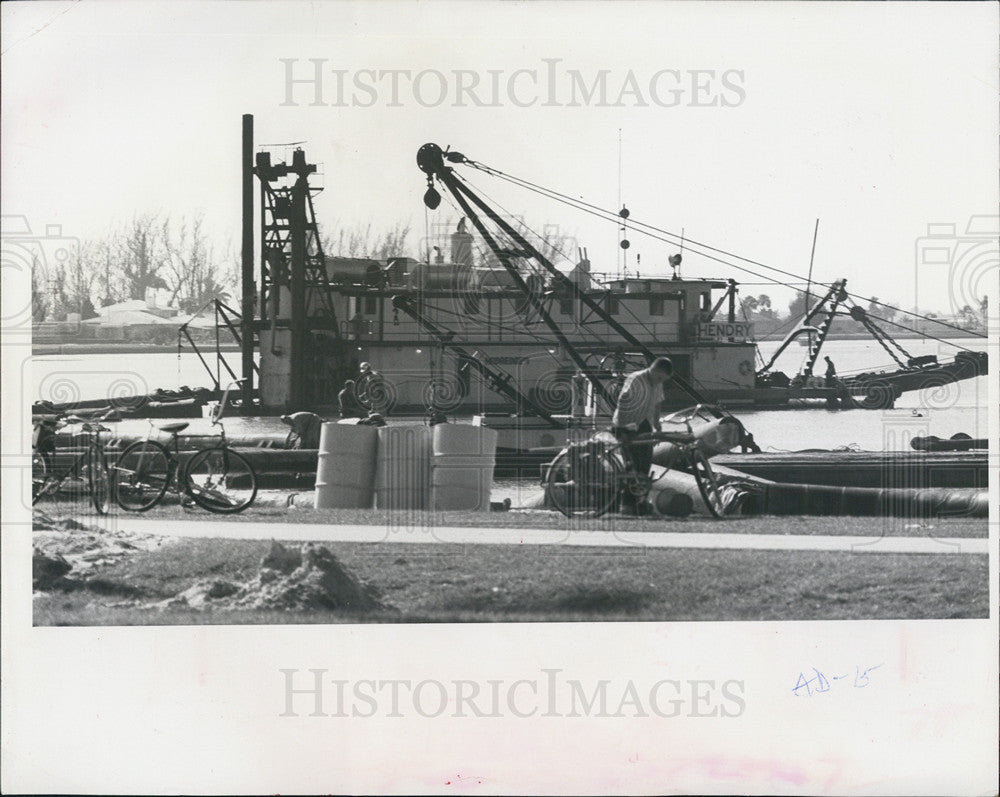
<point>503,331</point>
<point>493,330</point>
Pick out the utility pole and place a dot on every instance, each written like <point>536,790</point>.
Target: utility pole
<point>297,392</point>
<point>246,259</point>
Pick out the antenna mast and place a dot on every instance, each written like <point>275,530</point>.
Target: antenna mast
<point>811,256</point>
<point>675,260</point>
<point>623,213</point>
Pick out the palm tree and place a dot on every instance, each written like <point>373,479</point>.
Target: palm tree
<point>967,317</point>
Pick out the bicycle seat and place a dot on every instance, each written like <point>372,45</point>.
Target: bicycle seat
<point>95,427</point>
<point>174,427</point>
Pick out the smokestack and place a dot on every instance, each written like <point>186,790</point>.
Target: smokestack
<point>461,245</point>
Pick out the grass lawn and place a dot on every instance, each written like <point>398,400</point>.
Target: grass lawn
<point>541,519</point>
<point>507,583</point>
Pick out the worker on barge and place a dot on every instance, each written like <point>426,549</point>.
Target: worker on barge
<point>348,403</point>
<point>371,390</point>
<point>831,373</point>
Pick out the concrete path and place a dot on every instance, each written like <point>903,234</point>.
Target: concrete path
<point>319,532</point>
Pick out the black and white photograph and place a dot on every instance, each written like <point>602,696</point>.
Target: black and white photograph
<point>511,397</point>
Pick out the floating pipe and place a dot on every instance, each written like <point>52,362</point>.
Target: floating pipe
<point>811,499</point>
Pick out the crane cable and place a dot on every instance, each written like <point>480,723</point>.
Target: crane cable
<point>608,215</point>
<point>545,244</point>
<point>651,235</point>
<point>524,328</point>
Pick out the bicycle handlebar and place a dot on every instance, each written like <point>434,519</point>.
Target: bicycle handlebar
<point>61,419</point>
<point>686,414</point>
<point>220,410</point>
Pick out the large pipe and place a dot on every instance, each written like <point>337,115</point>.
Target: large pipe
<point>247,258</point>
<point>814,499</point>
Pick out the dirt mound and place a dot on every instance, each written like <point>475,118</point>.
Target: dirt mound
<point>203,595</point>
<point>83,547</point>
<point>310,577</point>
<point>47,571</point>
<point>42,522</point>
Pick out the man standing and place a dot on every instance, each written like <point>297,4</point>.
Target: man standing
<point>831,373</point>
<point>638,409</point>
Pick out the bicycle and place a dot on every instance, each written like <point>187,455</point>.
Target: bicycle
<point>91,465</point>
<point>216,478</point>
<point>587,479</point>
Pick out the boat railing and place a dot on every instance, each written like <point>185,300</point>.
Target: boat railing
<point>510,330</point>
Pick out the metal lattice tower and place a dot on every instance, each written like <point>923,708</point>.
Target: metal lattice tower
<point>292,257</point>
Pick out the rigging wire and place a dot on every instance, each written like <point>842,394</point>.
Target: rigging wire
<point>527,231</point>
<point>610,216</point>
<point>921,334</point>
<point>507,240</point>
<point>555,250</point>
<point>522,328</point>
<point>605,215</point>
<point>628,309</point>
<point>776,282</point>
<point>501,297</point>
<point>536,270</point>
<point>623,304</point>
<point>484,258</point>
<point>615,218</point>
<point>781,327</point>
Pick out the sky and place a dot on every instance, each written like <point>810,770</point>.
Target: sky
<point>739,123</point>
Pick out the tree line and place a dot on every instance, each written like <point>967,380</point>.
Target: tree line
<point>149,251</point>
<point>179,257</point>
<point>759,309</point>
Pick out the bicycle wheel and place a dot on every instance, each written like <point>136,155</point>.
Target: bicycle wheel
<point>583,482</point>
<point>141,476</point>
<point>100,481</point>
<point>39,475</point>
<point>708,485</point>
<point>220,480</point>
